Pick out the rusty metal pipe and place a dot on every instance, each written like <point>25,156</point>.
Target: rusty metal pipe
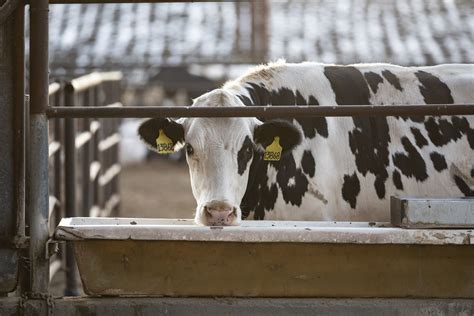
<point>70,189</point>
<point>37,171</point>
<point>19,123</point>
<point>262,111</point>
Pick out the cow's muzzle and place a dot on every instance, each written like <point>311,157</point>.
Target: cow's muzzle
<point>219,213</point>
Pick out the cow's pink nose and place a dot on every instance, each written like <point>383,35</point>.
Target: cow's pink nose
<point>220,216</point>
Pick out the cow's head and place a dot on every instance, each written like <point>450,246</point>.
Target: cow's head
<point>219,152</point>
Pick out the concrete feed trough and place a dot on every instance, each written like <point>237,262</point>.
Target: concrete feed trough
<point>157,257</point>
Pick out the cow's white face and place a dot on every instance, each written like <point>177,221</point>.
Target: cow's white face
<point>219,152</point>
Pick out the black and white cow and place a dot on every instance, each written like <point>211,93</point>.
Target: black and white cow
<point>330,168</point>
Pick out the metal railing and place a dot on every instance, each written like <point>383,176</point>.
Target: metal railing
<point>83,159</point>
<point>274,111</point>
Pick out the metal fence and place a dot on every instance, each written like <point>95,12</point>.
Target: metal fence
<point>83,159</point>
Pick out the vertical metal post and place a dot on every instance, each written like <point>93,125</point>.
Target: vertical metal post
<point>57,159</point>
<point>38,160</point>
<point>70,190</point>
<point>19,121</point>
<point>11,106</point>
<point>86,160</point>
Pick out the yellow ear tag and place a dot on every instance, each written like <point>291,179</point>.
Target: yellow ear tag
<point>273,151</point>
<point>164,144</point>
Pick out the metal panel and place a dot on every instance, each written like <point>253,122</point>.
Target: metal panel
<point>432,213</point>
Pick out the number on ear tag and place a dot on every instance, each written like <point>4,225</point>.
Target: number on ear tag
<point>164,144</point>
<point>273,151</point>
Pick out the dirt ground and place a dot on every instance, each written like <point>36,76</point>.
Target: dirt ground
<point>158,188</point>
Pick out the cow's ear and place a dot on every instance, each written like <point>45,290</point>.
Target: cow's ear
<point>289,135</point>
<point>161,134</point>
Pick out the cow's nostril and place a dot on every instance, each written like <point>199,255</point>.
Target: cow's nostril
<point>207,211</point>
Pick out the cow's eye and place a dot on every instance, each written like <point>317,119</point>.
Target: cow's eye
<point>249,150</point>
<point>189,149</point>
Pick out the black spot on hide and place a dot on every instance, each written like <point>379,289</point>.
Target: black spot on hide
<point>348,84</point>
<point>463,186</point>
<point>258,196</point>
<point>370,138</point>
<point>369,142</point>
<point>244,155</point>
<point>373,79</point>
<point>439,162</point>
<point>441,131</point>
<point>245,100</point>
<point>410,164</point>
<point>351,189</point>
<point>308,164</point>
<point>434,91</point>
<point>284,96</point>
<point>419,138</point>
<point>397,180</point>
<point>392,79</point>
<point>292,193</point>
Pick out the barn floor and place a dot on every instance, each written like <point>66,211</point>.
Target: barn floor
<point>156,188</point>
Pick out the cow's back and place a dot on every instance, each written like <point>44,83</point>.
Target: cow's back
<point>347,168</point>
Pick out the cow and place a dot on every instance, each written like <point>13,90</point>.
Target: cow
<point>329,168</point>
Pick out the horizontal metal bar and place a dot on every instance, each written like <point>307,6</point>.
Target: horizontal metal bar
<point>135,1</point>
<point>262,111</point>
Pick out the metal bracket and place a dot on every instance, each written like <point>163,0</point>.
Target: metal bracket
<point>52,247</point>
<point>49,299</point>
